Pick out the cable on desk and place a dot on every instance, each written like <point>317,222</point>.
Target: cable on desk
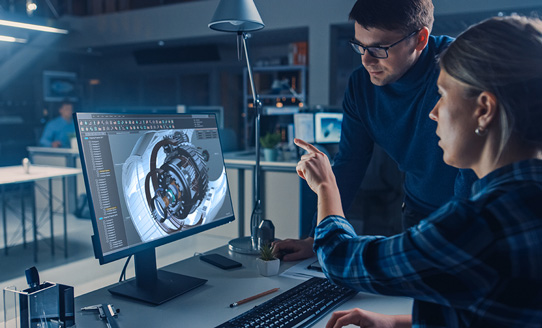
<point>123,273</point>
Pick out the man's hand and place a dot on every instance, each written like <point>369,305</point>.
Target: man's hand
<point>293,249</point>
<point>56,144</point>
<point>368,319</point>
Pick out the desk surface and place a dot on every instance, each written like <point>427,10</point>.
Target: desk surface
<point>252,162</point>
<point>208,305</point>
<point>53,151</point>
<point>247,160</point>
<point>16,174</point>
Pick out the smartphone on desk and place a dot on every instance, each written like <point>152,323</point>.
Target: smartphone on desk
<point>220,261</point>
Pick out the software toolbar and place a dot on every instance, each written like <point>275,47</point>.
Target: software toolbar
<point>124,125</point>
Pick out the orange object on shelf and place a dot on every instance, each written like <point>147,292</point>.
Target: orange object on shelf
<point>298,53</point>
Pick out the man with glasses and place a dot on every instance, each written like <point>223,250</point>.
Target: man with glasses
<point>387,102</point>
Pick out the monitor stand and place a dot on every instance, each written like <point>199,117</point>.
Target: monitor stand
<point>154,286</point>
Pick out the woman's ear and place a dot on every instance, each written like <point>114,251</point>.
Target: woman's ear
<point>423,36</point>
<point>486,109</point>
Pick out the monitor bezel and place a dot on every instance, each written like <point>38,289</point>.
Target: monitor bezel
<point>131,250</point>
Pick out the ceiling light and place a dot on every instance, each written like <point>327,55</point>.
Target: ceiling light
<point>30,7</point>
<point>33,27</point>
<point>11,39</point>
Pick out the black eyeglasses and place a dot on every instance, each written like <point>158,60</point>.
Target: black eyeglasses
<point>377,52</point>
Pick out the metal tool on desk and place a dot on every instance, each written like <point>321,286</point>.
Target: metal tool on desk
<point>107,312</point>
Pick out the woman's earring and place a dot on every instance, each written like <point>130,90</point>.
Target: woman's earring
<point>480,131</point>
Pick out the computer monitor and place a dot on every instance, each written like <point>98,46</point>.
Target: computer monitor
<point>327,127</point>
<point>151,180</point>
<point>304,126</point>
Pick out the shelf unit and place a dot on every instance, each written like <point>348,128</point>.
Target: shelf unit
<point>282,91</point>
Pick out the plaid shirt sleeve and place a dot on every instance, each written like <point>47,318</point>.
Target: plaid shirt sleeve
<point>472,263</point>
<point>435,261</point>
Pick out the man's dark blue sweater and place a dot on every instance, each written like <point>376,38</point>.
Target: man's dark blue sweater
<point>396,117</point>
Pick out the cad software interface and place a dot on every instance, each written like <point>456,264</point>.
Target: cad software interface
<point>151,177</point>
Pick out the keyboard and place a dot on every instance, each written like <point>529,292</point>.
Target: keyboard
<point>300,306</point>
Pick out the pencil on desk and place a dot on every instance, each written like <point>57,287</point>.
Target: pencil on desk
<point>253,297</point>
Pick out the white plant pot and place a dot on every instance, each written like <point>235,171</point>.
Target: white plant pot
<point>268,268</point>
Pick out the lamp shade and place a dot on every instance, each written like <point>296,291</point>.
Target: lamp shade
<point>236,16</point>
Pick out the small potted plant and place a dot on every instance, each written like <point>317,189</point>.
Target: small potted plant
<point>269,143</point>
<point>268,264</point>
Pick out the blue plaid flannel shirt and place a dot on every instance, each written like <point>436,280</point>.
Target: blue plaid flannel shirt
<point>472,263</point>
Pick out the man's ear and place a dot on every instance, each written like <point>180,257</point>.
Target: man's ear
<point>422,38</point>
<point>486,109</point>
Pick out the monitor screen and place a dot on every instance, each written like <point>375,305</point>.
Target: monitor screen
<point>304,126</point>
<point>151,179</point>
<point>327,127</point>
<point>218,111</point>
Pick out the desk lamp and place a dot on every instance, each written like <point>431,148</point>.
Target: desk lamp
<point>241,17</point>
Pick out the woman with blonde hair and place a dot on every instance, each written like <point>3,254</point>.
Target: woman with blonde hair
<point>474,262</point>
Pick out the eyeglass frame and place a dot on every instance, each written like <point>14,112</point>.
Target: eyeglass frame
<point>355,46</point>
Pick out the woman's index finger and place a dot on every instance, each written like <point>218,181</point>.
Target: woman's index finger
<point>307,146</point>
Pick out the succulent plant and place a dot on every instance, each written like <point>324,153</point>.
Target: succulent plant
<point>266,253</point>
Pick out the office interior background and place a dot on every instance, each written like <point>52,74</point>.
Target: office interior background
<point>152,56</point>
<point>147,54</point>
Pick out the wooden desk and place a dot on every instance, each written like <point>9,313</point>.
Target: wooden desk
<point>16,175</point>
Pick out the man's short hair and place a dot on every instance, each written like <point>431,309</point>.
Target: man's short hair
<point>394,15</point>
<point>65,101</point>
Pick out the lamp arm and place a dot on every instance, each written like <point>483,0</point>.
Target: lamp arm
<point>255,97</point>
<point>257,107</point>
<point>256,216</point>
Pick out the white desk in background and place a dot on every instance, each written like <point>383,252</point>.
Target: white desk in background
<point>65,157</point>
<point>208,305</point>
<point>68,156</point>
<point>10,175</point>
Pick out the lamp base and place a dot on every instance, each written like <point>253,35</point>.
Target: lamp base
<point>242,245</point>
